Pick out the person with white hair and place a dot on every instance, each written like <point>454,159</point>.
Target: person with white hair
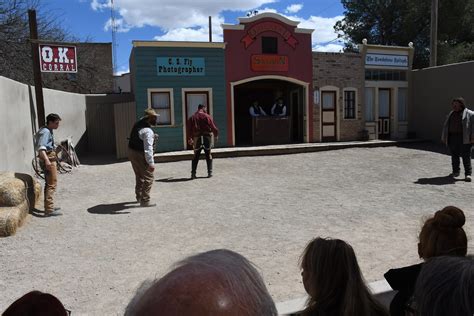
<point>217,282</point>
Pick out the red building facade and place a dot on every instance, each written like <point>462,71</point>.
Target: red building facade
<point>268,58</point>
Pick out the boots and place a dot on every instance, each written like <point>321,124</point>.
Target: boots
<point>209,168</point>
<point>194,165</point>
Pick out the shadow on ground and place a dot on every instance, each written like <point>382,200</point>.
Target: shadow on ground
<point>437,180</point>
<point>112,209</point>
<point>173,179</point>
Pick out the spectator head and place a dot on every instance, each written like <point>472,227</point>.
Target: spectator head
<point>36,303</point>
<point>458,104</point>
<point>202,107</point>
<point>52,120</point>
<point>332,278</point>
<point>443,235</point>
<point>445,287</point>
<point>218,282</point>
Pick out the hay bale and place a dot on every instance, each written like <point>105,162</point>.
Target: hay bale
<point>37,193</point>
<point>12,190</point>
<point>12,217</point>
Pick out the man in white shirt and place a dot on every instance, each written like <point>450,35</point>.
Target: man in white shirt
<point>278,109</point>
<point>256,110</point>
<point>140,154</point>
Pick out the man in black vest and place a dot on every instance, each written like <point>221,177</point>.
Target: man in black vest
<point>256,110</point>
<point>279,109</point>
<point>140,154</point>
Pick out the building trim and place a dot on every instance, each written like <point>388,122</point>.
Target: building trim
<point>271,15</point>
<point>178,44</point>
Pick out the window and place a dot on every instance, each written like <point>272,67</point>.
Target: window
<point>269,45</point>
<point>161,101</point>
<point>369,104</point>
<point>402,104</point>
<point>349,104</point>
<point>391,75</point>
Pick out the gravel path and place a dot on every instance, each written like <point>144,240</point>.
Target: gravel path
<point>266,208</point>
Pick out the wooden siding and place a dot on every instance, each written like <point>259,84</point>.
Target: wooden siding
<point>124,117</point>
<point>100,128</point>
<point>144,65</point>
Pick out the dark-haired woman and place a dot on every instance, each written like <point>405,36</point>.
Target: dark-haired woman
<point>441,235</point>
<point>332,278</point>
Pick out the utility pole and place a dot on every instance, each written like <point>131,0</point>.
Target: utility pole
<point>434,33</point>
<point>114,43</point>
<point>210,29</point>
<point>36,67</point>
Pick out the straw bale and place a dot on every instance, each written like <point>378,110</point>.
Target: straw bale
<point>12,190</point>
<point>12,217</point>
<point>37,192</point>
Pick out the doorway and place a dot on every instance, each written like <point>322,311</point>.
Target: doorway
<point>192,101</point>
<point>329,116</point>
<point>384,113</point>
<point>266,92</point>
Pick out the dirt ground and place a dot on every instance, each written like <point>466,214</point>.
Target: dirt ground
<point>95,256</point>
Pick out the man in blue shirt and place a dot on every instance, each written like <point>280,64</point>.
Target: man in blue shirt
<point>45,147</point>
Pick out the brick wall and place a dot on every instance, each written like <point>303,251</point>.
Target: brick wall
<point>341,70</point>
<point>94,75</point>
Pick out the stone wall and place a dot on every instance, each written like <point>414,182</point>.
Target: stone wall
<point>340,71</point>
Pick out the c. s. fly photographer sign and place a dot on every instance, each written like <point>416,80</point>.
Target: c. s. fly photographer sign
<point>57,58</point>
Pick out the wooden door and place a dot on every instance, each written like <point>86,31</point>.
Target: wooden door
<point>328,116</point>
<point>384,113</point>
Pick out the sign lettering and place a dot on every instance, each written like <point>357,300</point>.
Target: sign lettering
<point>272,27</point>
<point>387,60</point>
<point>55,58</point>
<point>180,66</point>
<point>269,63</point>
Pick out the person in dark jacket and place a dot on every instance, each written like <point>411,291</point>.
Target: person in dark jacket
<point>201,130</point>
<point>458,135</point>
<point>441,235</point>
<point>140,154</point>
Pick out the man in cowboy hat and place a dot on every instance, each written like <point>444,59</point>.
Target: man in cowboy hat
<point>140,154</point>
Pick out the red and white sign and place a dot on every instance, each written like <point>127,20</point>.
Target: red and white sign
<point>55,58</point>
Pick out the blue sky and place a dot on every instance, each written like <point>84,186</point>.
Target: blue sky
<point>186,20</point>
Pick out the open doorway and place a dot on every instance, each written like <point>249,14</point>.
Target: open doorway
<point>266,92</point>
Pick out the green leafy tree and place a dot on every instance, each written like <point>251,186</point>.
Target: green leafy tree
<point>398,22</point>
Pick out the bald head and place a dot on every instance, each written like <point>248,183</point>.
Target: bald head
<point>218,282</point>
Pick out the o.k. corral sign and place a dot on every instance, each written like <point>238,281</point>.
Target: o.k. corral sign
<point>57,58</point>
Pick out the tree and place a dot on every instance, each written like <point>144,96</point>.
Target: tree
<point>15,48</point>
<point>398,22</point>
<point>95,74</point>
